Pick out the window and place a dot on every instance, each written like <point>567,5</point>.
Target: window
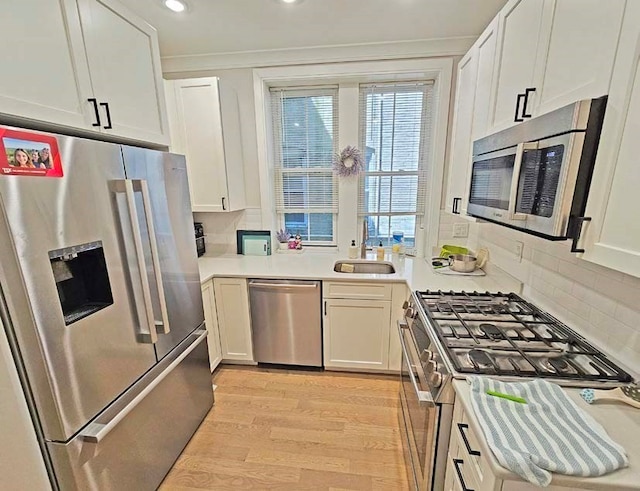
<point>305,128</point>
<point>395,129</point>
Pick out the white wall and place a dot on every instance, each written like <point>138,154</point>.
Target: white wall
<point>21,464</point>
<point>600,303</point>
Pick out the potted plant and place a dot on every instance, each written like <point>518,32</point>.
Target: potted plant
<point>283,238</point>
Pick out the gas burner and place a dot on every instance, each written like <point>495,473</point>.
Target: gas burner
<point>493,332</point>
<point>556,365</point>
<point>501,334</point>
<point>480,358</point>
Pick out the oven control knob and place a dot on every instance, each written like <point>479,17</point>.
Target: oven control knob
<point>435,379</point>
<point>405,305</point>
<point>426,355</point>
<point>431,366</point>
<point>409,313</point>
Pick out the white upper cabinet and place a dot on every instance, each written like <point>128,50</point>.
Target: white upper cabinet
<point>473,92</point>
<point>90,65</point>
<point>485,52</point>
<point>460,156</point>
<point>214,154</point>
<point>552,53</point>
<point>520,26</point>
<point>45,74</point>
<point>612,238</point>
<point>578,57</point>
<point>124,61</point>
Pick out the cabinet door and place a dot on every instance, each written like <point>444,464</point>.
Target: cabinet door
<point>199,128</point>
<point>45,72</point>
<point>486,54</point>
<point>124,62</point>
<point>612,238</point>
<point>581,48</point>
<point>520,25</point>
<point>211,321</point>
<point>460,159</point>
<point>232,306</point>
<point>356,334</point>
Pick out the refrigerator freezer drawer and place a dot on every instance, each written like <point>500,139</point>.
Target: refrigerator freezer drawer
<point>134,442</point>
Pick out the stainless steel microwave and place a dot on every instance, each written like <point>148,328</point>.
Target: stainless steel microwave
<point>535,176</point>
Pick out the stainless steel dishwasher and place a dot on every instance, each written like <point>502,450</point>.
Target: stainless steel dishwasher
<point>286,321</point>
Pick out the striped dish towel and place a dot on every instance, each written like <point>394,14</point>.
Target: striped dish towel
<point>548,434</point>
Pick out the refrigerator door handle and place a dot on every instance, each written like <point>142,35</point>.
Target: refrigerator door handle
<point>141,185</point>
<point>96,432</point>
<point>126,186</point>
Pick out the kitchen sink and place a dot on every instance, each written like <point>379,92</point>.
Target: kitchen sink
<point>364,267</point>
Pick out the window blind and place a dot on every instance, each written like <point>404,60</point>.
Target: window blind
<point>395,136</point>
<point>305,127</point>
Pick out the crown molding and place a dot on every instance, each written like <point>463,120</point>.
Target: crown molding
<point>423,48</point>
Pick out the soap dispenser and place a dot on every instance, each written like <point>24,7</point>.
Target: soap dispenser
<point>380,252</point>
<point>353,250</point>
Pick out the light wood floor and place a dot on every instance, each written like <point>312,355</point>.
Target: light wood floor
<point>293,430</point>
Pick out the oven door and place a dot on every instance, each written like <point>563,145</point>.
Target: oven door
<point>544,184</point>
<point>420,415</point>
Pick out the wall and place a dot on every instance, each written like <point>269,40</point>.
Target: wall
<point>220,228</point>
<point>600,303</point>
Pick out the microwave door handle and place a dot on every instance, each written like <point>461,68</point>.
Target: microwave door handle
<point>162,326</point>
<point>126,186</point>
<point>513,194</point>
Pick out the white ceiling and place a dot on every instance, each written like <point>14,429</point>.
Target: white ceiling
<point>225,26</point>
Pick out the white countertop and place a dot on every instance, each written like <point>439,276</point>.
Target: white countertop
<point>415,272</point>
<point>621,421</point>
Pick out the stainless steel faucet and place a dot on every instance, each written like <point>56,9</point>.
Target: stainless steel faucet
<point>365,237</point>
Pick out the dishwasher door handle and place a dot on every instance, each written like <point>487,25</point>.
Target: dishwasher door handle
<point>281,285</point>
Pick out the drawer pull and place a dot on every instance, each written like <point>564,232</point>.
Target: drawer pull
<point>461,428</point>
<point>457,463</point>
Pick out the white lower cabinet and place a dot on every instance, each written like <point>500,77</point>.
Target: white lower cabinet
<point>356,333</point>
<point>232,306</point>
<point>211,322</point>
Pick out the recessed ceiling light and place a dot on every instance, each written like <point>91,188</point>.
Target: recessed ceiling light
<point>175,5</point>
<point>289,1</point>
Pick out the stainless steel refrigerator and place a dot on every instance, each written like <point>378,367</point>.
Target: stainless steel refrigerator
<point>101,300</point>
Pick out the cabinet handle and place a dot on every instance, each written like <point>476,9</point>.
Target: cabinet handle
<point>526,101</point>
<point>106,110</point>
<point>461,427</point>
<point>224,205</point>
<point>454,209</point>
<point>457,463</point>
<point>94,101</point>
<point>577,231</point>
<point>325,307</point>
<point>517,118</point>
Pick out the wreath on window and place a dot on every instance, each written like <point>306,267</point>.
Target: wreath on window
<point>349,162</point>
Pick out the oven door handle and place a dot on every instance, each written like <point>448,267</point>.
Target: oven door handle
<point>515,180</point>
<point>422,395</point>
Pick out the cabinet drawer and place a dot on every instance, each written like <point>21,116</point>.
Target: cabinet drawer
<point>458,477</point>
<point>371,291</point>
<point>467,443</point>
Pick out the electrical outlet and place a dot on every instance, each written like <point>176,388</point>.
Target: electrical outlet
<point>517,250</point>
<point>461,230</point>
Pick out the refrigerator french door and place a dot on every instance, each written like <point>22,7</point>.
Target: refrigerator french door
<point>101,301</point>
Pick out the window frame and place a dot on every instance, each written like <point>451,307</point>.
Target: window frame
<point>276,139</point>
<point>423,165</point>
<point>350,73</point>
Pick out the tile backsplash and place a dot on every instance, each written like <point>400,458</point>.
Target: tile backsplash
<point>600,303</point>
<point>220,228</point>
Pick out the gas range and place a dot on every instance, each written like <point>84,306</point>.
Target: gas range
<point>502,335</point>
